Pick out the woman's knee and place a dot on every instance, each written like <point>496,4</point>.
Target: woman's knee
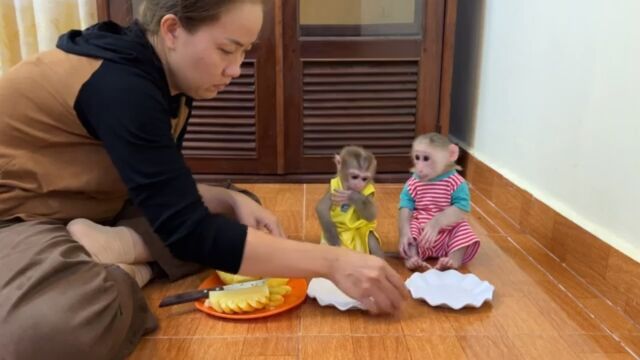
<point>97,317</point>
<point>48,334</point>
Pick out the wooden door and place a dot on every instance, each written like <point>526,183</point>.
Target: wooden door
<point>356,78</point>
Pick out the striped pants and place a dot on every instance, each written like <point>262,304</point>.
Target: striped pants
<point>448,240</point>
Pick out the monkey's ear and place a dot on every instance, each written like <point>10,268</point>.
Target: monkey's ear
<point>337,160</point>
<point>454,152</point>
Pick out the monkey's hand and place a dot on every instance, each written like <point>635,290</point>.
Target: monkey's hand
<point>405,243</point>
<point>339,197</point>
<point>429,233</point>
<point>364,205</point>
<point>356,197</point>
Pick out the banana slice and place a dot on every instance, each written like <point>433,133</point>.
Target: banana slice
<point>250,299</point>
<point>275,300</point>
<point>245,306</point>
<point>280,290</point>
<point>215,305</point>
<point>254,303</point>
<point>275,282</point>
<point>225,308</point>
<point>228,278</point>
<point>234,307</point>
<point>239,300</point>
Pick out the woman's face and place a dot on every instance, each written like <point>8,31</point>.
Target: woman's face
<point>202,63</point>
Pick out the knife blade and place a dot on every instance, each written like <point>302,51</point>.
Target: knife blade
<point>204,293</point>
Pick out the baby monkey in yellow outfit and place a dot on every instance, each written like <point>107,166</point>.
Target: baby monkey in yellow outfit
<point>347,212</point>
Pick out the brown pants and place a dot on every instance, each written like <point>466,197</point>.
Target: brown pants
<point>57,303</point>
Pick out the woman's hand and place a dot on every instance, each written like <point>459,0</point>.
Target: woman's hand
<point>239,206</point>
<point>248,212</point>
<point>369,280</point>
<point>365,278</point>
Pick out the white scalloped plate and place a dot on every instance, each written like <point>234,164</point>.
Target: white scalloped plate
<point>328,294</point>
<point>449,289</point>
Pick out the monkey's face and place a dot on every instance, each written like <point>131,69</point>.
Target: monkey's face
<point>356,180</point>
<point>429,161</point>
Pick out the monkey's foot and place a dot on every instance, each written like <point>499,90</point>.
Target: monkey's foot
<point>447,262</point>
<point>416,264</point>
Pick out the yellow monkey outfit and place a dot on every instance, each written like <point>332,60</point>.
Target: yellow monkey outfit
<point>353,230</point>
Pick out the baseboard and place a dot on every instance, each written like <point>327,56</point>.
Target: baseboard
<point>613,274</point>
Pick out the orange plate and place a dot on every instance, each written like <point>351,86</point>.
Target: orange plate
<point>294,298</point>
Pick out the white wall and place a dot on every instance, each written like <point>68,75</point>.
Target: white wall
<point>557,109</point>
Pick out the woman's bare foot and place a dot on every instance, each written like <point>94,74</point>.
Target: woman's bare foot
<point>109,245</point>
<point>141,273</point>
<point>453,261</point>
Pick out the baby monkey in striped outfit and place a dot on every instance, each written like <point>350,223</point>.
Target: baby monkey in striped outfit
<point>433,207</point>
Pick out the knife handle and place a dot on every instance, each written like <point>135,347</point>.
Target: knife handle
<point>184,298</point>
